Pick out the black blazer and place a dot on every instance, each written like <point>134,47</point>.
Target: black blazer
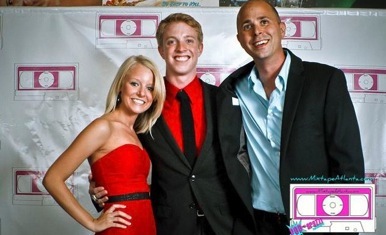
<point>174,181</point>
<point>319,136</point>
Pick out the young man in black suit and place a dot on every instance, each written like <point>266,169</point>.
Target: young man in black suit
<point>188,198</point>
<point>296,117</point>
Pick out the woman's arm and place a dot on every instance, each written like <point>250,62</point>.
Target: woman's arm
<point>87,142</point>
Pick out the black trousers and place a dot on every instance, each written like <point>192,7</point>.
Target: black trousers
<point>271,223</point>
<point>203,227</point>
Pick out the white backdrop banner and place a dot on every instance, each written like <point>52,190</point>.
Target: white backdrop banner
<point>56,65</point>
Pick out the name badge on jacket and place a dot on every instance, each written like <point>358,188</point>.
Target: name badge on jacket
<point>235,101</point>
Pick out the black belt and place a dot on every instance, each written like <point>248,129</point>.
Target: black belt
<point>271,217</point>
<point>129,197</point>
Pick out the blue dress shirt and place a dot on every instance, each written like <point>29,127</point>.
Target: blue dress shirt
<point>262,119</point>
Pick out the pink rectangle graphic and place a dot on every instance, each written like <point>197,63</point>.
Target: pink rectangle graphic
<point>29,182</point>
<point>127,26</point>
<point>369,81</point>
<point>213,75</point>
<point>301,27</point>
<point>44,78</point>
<point>332,203</point>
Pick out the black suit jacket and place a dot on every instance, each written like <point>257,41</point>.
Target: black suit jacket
<point>176,185</point>
<point>319,136</point>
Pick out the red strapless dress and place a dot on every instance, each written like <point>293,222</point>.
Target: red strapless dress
<point>124,171</point>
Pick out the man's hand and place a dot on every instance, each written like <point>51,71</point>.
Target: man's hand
<point>98,194</point>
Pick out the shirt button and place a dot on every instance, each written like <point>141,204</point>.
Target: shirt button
<point>192,178</point>
<point>192,205</point>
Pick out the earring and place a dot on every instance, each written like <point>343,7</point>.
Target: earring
<point>119,97</point>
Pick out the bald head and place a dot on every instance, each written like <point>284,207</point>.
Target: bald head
<point>255,3</point>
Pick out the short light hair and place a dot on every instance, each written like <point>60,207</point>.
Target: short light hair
<point>176,18</point>
<point>145,120</point>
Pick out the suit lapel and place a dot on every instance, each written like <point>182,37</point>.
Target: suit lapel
<point>165,134</point>
<point>209,112</point>
<point>161,130</point>
<point>293,93</point>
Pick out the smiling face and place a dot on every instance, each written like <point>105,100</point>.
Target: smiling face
<point>137,89</point>
<point>180,49</point>
<point>259,30</point>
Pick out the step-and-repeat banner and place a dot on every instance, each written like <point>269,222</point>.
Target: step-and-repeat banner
<point>56,65</point>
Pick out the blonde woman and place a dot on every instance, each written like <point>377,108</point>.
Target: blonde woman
<point>115,154</point>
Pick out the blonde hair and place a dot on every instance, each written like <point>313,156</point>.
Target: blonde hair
<point>145,120</point>
<point>176,18</point>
